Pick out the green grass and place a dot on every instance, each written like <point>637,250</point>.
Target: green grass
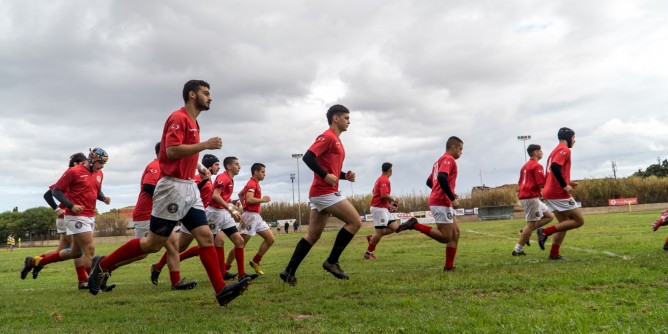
<point>614,280</point>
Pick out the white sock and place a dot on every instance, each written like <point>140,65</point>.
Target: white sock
<point>518,248</point>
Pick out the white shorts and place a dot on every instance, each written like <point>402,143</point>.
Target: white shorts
<point>79,224</point>
<point>561,205</point>
<point>534,209</point>
<point>443,214</point>
<point>173,198</point>
<point>142,228</point>
<point>323,202</point>
<point>60,226</point>
<point>381,216</point>
<point>220,217</point>
<point>252,223</point>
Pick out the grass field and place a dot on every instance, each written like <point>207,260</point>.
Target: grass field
<point>614,280</point>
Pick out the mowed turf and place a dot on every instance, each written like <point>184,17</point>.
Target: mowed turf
<point>614,280</point>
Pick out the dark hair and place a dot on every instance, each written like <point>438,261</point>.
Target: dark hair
<point>452,141</point>
<point>77,158</point>
<point>193,85</point>
<point>157,148</point>
<point>532,148</point>
<point>336,109</point>
<point>567,135</point>
<point>228,161</point>
<point>386,167</point>
<point>257,167</point>
<point>208,160</point>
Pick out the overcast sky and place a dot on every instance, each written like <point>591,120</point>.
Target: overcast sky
<point>81,74</point>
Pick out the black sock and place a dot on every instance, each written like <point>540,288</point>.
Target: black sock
<point>341,242</point>
<point>302,249</point>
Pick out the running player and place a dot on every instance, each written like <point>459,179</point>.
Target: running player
<point>142,216</point>
<point>557,194</point>
<point>442,202</point>
<point>325,159</point>
<point>532,180</point>
<point>662,221</point>
<point>381,201</point>
<point>176,198</point>
<point>251,221</point>
<point>78,189</point>
<point>64,241</point>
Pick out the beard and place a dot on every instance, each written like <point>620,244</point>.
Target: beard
<point>201,104</point>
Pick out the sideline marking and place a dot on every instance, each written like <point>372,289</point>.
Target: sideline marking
<point>590,251</point>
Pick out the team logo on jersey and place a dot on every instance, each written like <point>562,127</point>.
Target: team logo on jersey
<point>172,208</point>
<point>153,170</point>
<point>571,202</point>
<point>78,225</point>
<point>174,126</point>
<point>99,179</point>
<point>449,215</point>
<point>321,138</point>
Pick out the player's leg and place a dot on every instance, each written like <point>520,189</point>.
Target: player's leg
<point>451,246</point>
<point>174,264</point>
<point>268,240</point>
<point>524,238</point>
<point>345,211</point>
<point>317,223</point>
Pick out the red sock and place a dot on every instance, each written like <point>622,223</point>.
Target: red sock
<point>190,252</point>
<point>371,248</point>
<point>257,258</point>
<point>239,255</point>
<point>81,274</point>
<point>209,260</point>
<point>228,266</point>
<point>221,260</point>
<point>87,270</point>
<point>667,240</point>
<point>450,253</point>
<point>162,262</point>
<point>174,276</point>
<point>550,230</point>
<point>55,257</point>
<point>127,251</point>
<point>424,229</point>
<point>554,250</point>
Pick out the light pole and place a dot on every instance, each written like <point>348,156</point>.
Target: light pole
<point>298,156</point>
<point>292,178</point>
<point>524,139</point>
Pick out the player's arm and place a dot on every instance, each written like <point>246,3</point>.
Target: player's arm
<point>430,183</point>
<point>555,168</point>
<point>442,179</point>
<point>250,199</point>
<point>202,183</point>
<point>312,163</point>
<point>102,198</point>
<point>48,197</point>
<point>60,196</point>
<point>184,150</point>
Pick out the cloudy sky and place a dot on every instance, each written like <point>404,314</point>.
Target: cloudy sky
<point>80,74</point>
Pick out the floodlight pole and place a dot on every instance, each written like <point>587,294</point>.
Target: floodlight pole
<point>292,178</point>
<point>524,139</point>
<point>298,156</point>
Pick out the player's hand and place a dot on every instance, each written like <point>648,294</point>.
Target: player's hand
<point>350,176</point>
<point>107,200</point>
<point>204,173</point>
<point>568,189</point>
<point>77,209</point>
<point>575,184</point>
<point>213,143</point>
<point>661,221</point>
<point>455,203</point>
<point>266,199</point>
<point>235,215</point>
<point>331,179</point>
<point>59,212</point>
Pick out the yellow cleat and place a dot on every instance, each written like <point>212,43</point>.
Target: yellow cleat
<point>257,267</point>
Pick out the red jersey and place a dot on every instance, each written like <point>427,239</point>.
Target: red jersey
<point>381,188</point>
<point>82,187</point>
<point>253,187</point>
<point>151,175</point>
<point>446,164</point>
<point>206,192</point>
<point>225,185</point>
<point>179,129</point>
<point>329,153</point>
<point>532,179</point>
<point>561,155</point>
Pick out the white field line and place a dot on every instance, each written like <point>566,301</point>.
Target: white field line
<point>590,251</point>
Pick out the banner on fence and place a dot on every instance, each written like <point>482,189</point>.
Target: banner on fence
<point>623,201</point>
